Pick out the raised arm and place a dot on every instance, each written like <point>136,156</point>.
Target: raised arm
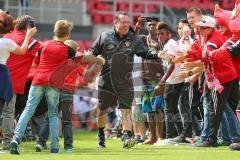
<point>22,50</point>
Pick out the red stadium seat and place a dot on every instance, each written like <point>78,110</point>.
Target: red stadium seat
<point>138,7</point>
<point>90,6</point>
<point>123,6</point>
<point>97,18</point>
<point>228,4</point>
<point>103,6</point>
<point>108,19</point>
<point>153,8</point>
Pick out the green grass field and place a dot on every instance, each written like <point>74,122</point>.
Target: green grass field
<point>85,149</point>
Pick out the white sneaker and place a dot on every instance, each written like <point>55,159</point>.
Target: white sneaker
<point>164,142</point>
<point>159,140</point>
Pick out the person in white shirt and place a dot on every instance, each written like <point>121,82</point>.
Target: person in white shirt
<point>8,46</point>
<point>188,110</point>
<point>170,85</point>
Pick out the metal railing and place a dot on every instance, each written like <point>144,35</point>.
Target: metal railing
<point>48,11</point>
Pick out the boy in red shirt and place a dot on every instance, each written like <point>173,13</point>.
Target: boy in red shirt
<point>51,54</point>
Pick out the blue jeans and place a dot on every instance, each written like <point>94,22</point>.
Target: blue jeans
<point>65,105</point>
<point>36,93</point>
<point>224,129</point>
<point>234,125</point>
<point>205,130</point>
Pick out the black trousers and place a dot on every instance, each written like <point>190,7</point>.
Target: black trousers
<point>190,113</point>
<point>229,94</point>
<point>2,102</point>
<point>172,115</point>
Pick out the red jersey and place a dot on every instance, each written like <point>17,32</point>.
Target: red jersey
<point>19,65</point>
<point>50,56</point>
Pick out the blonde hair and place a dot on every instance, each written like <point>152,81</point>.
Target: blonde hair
<point>62,28</point>
<point>73,44</point>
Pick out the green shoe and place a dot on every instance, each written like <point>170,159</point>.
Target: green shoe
<point>198,141</point>
<point>14,149</point>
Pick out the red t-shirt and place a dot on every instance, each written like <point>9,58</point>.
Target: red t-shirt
<point>19,65</point>
<point>50,56</point>
<point>223,68</point>
<point>67,74</point>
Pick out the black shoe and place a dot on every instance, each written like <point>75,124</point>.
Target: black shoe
<point>205,144</point>
<point>101,141</point>
<point>129,143</point>
<point>138,140</point>
<point>54,151</point>
<point>14,149</point>
<point>234,147</point>
<point>178,139</point>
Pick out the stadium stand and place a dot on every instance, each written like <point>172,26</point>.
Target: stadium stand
<point>93,6</point>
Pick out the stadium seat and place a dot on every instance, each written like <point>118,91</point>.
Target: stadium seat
<point>138,7</point>
<point>91,6</point>
<point>122,6</point>
<point>108,19</point>
<point>153,8</point>
<point>102,6</point>
<point>228,4</point>
<point>97,18</point>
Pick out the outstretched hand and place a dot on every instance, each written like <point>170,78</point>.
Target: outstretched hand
<point>164,56</point>
<point>183,74</point>
<point>181,56</point>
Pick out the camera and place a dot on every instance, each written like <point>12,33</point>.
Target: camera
<point>31,24</point>
<point>149,19</point>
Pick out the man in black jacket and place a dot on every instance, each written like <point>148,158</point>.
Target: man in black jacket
<point>118,47</point>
